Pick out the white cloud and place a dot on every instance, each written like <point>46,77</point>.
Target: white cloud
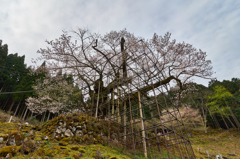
<point>212,26</point>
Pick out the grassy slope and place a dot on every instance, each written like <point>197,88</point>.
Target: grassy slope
<point>216,141</point>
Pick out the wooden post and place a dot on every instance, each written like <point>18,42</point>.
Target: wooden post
<point>118,111</point>
<point>112,96</point>
<point>97,100</point>
<point>142,126</point>
<point>124,122</point>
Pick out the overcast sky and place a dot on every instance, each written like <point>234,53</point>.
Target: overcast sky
<point>210,25</point>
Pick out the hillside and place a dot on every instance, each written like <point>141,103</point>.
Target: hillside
<point>215,142</point>
<point>33,141</point>
<point>23,140</point>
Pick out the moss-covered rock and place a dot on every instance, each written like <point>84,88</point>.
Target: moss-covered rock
<point>15,138</point>
<point>97,155</point>
<point>11,150</point>
<point>79,128</point>
<point>28,146</point>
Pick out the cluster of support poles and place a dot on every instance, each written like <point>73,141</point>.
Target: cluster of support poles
<point>148,134</point>
<point>127,106</point>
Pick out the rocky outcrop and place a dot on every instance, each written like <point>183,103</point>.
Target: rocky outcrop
<point>80,128</point>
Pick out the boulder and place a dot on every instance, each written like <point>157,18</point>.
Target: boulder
<point>68,133</point>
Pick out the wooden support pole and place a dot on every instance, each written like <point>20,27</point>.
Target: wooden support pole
<point>97,100</point>
<point>118,111</point>
<point>112,96</point>
<point>125,122</point>
<point>142,126</point>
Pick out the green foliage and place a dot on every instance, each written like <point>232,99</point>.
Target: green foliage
<point>25,134</point>
<point>218,102</point>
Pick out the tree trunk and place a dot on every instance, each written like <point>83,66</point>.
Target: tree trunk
<point>235,119</point>
<point>43,117</point>
<point>5,104</point>
<point>231,122</point>
<point>142,126</point>
<point>31,115</point>
<point>25,113</point>
<point>214,119</point>
<point>48,115</point>
<point>224,122</point>
<point>16,109</point>
<point>204,117</point>
<point>9,110</point>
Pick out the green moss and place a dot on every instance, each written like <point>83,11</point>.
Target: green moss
<point>63,147</point>
<point>62,143</point>
<point>78,139</point>
<point>66,152</point>
<point>49,152</point>
<point>75,147</point>
<point>81,150</point>
<point>56,147</point>
<point>38,138</point>
<point>40,151</point>
<point>28,146</point>
<point>8,150</point>
<point>85,137</point>
<point>66,139</point>
<point>76,156</point>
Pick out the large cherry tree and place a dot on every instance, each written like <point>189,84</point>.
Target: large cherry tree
<point>97,62</point>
